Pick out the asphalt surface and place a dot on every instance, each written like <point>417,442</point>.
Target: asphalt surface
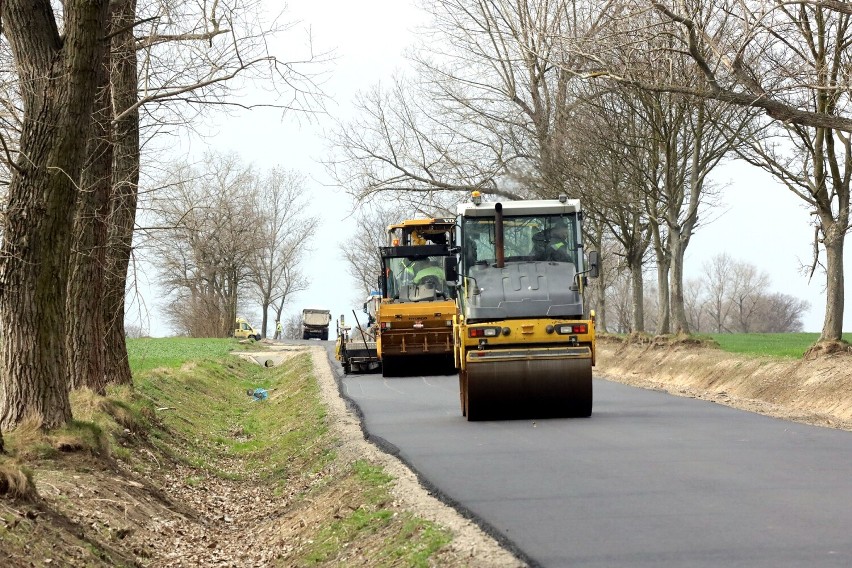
<point>649,480</point>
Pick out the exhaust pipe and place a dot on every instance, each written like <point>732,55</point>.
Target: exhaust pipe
<point>498,235</point>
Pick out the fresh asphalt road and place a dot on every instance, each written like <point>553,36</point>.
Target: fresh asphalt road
<point>649,480</point>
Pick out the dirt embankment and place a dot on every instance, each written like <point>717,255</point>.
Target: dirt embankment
<point>814,390</point>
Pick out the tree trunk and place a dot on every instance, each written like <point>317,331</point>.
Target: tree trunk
<point>600,314</point>
<point>678,311</point>
<point>832,327</point>
<point>663,321</point>
<point>57,81</point>
<point>85,337</point>
<point>265,320</point>
<point>637,290</point>
<point>123,201</point>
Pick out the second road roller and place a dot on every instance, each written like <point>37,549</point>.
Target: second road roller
<point>524,346</point>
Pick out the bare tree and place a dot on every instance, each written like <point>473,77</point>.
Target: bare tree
<point>360,251</point>
<point>122,199</point>
<point>191,58</point>
<point>780,313</point>
<point>285,230</point>
<point>489,110</point>
<point>57,75</point>
<point>694,303</point>
<point>292,325</point>
<point>613,153</point>
<point>749,287</point>
<point>84,311</point>
<point>208,243</point>
<point>718,276</point>
<point>789,60</point>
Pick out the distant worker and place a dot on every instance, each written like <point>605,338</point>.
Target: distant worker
<point>552,244</point>
<point>278,330</point>
<point>429,273</point>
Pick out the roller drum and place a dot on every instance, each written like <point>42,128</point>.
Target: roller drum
<point>528,388</point>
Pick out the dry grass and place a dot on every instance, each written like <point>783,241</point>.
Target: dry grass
<point>15,482</point>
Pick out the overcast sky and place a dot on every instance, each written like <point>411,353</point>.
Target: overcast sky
<point>758,221</point>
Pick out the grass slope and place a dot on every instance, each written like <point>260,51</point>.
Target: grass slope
<point>187,429</point>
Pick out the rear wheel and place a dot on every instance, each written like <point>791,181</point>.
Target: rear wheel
<point>463,392</point>
<point>390,367</point>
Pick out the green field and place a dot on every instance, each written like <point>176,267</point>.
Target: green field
<point>172,352</point>
<point>789,345</point>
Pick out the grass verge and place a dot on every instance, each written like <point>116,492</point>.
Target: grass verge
<point>784,345</point>
<point>97,492</point>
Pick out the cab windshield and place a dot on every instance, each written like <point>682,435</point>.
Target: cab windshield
<point>546,238</point>
<point>421,273</point>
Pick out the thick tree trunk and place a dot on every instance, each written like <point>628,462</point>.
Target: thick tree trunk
<point>57,82</point>
<point>86,328</point>
<point>124,198</point>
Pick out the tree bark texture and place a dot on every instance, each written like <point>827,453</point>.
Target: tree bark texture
<point>57,80</point>
<point>637,289</point>
<point>832,327</point>
<point>125,189</point>
<point>86,326</point>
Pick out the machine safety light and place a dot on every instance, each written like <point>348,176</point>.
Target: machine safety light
<point>483,332</point>
<point>565,329</point>
<point>476,197</point>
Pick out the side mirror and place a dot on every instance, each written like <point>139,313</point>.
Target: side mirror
<point>365,307</point>
<point>594,264</point>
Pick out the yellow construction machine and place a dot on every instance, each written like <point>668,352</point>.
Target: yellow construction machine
<point>415,317</point>
<point>523,344</point>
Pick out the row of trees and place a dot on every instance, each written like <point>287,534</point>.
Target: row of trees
<point>627,105</point>
<point>228,236</point>
<point>730,296</point>
<point>84,85</point>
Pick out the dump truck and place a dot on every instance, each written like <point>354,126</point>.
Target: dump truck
<point>315,323</point>
<point>415,316</point>
<point>356,346</point>
<point>523,344</point>
<point>244,330</point>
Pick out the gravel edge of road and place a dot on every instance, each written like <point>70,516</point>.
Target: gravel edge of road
<point>469,538</point>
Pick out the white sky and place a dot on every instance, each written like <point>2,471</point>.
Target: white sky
<point>762,223</point>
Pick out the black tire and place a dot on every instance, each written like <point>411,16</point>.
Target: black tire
<point>389,367</point>
<point>463,393</point>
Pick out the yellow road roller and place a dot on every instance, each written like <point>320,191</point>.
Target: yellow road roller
<point>524,346</point>
<point>415,316</point>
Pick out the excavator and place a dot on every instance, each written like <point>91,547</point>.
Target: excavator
<point>415,316</point>
<point>524,347</point>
